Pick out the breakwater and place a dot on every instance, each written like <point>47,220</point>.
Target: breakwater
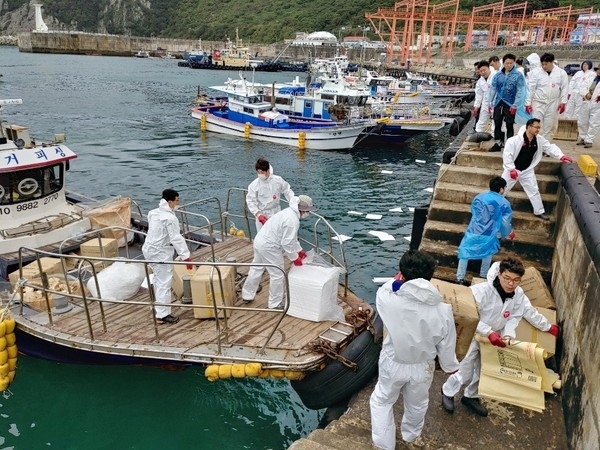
<point>8,40</point>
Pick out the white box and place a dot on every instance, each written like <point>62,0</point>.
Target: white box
<point>313,293</point>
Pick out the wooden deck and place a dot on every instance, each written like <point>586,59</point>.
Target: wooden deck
<point>130,329</point>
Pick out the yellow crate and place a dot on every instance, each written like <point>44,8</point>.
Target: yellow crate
<point>566,130</point>
<point>588,166</point>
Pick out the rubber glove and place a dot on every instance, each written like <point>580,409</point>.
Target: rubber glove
<point>262,218</point>
<point>189,266</point>
<point>490,109</point>
<point>598,99</point>
<point>561,108</point>
<point>512,110</point>
<point>297,261</point>
<point>554,330</point>
<point>511,235</point>
<point>496,340</point>
<point>475,112</point>
<point>566,159</point>
<point>514,174</point>
<point>301,254</point>
<point>568,96</point>
<point>529,109</point>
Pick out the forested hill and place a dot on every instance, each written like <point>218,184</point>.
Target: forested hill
<point>258,21</point>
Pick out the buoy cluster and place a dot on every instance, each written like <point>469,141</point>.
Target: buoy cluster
<point>8,352</point>
<point>234,231</point>
<point>216,372</point>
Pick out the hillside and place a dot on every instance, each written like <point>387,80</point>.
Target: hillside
<point>266,21</point>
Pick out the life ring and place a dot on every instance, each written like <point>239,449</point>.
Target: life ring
<point>8,352</point>
<point>336,382</point>
<point>27,186</point>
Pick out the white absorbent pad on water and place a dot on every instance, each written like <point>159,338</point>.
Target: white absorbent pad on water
<point>119,281</point>
<point>313,293</point>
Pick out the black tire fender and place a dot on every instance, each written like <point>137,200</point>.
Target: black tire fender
<point>336,382</point>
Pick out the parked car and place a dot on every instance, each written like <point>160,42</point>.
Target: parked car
<point>571,69</point>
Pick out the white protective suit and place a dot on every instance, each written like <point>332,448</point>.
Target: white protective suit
<point>419,328</point>
<point>578,87</point>
<point>494,315</point>
<point>545,91</point>
<point>527,177</point>
<point>163,236</point>
<point>277,237</point>
<point>264,195</point>
<point>588,119</point>
<point>481,101</point>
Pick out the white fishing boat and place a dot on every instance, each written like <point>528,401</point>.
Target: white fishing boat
<point>84,297</point>
<point>142,54</point>
<point>249,115</point>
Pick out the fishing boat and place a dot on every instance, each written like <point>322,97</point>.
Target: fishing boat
<point>247,114</point>
<point>142,54</point>
<point>66,309</point>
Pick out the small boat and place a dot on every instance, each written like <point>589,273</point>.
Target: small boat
<point>168,56</point>
<point>71,313</point>
<point>142,54</point>
<point>248,114</point>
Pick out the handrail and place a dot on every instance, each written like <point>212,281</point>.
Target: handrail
<point>227,213</point>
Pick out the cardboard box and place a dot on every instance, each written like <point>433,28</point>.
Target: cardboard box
<point>536,290</point>
<point>477,280</point>
<point>31,270</point>
<point>201,291</point>
<point>109,249</point>
<point>36,299</point>
<point>464,308</point>
<point>528,333</point>
<point>179,270</point>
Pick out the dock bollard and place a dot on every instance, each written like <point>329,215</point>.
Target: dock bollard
<point>187,290</point>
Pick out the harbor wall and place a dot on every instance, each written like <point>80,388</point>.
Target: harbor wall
<point>576,288</point>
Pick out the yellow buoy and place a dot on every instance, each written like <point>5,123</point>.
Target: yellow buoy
<point>302,140</point>
<point>4,370</point>
<point>253,369</point>
<point>225,371</point>
<point>247,128</point>
<point>240,233</point>
<point>4,382</point>
<point>3,356</point>
<point>203,123</point>
<point>12,351</point>
<point>12,363</point>
<point>212,372</point>
<point>232,231</point>
<point>276,373</point>
<point>11,376</point>
<point>2,328</point>
<point>10,324</point>
<point>294,375</point>
<point>238,371</point>
<point>3,343</point>
<point>11,339</point>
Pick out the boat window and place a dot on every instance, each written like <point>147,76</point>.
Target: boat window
<point>24,185</point>
<point>327,97</point>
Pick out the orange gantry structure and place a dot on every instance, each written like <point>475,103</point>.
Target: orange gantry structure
<point>412,28</point>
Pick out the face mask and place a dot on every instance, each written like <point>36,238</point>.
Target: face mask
<point>262,176</point>
<point>175,207</point>
<point>304,214</point>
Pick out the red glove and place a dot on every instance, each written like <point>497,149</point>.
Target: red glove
<point>262,218</point>
<point>475,112</point>
<point>297,261</point>
<point>566,159</point>
<point>598,99</point>
<point>511,235</point>
<point>490,109</point>
<point>529,109</point>
<point>554,330</point>
<point>189,266</point>
<point>561,108</point>
<point>301,254</point>
<point>569,97</point>
<point>496,340</point>
<point>513,110</point>
<point>514,174</point>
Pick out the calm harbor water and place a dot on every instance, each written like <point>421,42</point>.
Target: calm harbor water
<point>128,120</point>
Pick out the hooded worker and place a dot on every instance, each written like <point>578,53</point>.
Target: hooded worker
<point>588,117</point>
<point>164,236</point>
<point>264,193</point>
<point>547,92</point>
<point>502,304</point>
<point>277,237</point>
<point>578,87</point>
<point>419,327</point>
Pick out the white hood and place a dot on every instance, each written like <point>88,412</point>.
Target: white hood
<point>534,61</point>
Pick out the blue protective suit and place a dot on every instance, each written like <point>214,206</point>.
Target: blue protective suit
<point>511,88</point>
<point>490,213</point>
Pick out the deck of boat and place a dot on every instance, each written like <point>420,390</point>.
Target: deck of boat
<point>130,329</point>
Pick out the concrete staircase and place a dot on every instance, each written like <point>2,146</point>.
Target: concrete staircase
<point>450,212</point>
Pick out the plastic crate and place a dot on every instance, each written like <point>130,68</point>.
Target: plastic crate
<point>566,130</point>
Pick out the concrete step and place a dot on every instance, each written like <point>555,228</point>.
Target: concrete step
<point>493,161</point>
<point>460,213</point>
<point>446,256</point>
<point>307,444</point>
<point>340,442</point>
<point>461,193</point>
<point>358,430</point>
<point>480,176</point>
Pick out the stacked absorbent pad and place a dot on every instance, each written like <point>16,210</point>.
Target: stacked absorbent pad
<point>313,293</point>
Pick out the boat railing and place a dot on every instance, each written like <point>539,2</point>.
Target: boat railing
<point>83,269</point>
<point>231,204</point>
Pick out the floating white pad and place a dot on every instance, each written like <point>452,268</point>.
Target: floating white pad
<point>397,209</point>
<point>373,216</point>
